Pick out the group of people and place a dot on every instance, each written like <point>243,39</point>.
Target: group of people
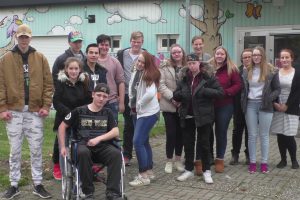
<point>200,94</point>
<point>86,89</point>
<point>197,93</point>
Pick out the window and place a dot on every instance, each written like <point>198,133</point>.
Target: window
<point>165,41</point>
<point>115,43</point>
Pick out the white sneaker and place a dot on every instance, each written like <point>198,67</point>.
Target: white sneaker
<point>139,181</point>
<point>207,177</point>
<point>179,166</point>
<point>169,167</point>
<point>185,175</point>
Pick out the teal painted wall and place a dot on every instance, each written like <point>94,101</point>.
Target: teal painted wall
<point>170,21</point>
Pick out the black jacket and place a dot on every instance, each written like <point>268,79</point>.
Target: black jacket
<point>67,97</point>
<point>202,101</point>
<point>270,93</point>
<point>237,98</point>
<point>293,100</point>
<point>99,70</point>
<point>59,63</point>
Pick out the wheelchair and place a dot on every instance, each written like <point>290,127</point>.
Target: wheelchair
<point>71,185</point>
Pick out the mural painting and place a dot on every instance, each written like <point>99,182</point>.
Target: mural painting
<point>151,12</point>
<point>11,19</point>
<point>253,9</point>
<point>208,19</point>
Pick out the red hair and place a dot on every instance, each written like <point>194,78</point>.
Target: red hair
<point>151,72</point>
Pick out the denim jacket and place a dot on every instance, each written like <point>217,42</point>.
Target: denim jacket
<point>270,91</point>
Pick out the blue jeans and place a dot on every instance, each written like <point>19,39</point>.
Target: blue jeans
<point>222,118</point>
<point>133,116</point>
<point>258,123</point>
<point>141,142</point>
<point>115,109</point>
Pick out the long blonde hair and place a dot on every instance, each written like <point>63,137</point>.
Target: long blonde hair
<point>231,67</point>
<point>265,67</point>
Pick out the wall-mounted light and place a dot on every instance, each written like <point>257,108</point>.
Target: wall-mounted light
<point>90,18</point>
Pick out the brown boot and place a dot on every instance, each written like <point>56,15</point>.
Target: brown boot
<point>219,166</point>
<point>198,167</point>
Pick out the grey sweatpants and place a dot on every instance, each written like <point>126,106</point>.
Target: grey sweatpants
<point>30,125</point>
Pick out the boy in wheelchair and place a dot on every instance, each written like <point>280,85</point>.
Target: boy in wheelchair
<point>95,128</point>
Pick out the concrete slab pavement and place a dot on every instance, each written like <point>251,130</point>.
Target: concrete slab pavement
<point>234,183</point>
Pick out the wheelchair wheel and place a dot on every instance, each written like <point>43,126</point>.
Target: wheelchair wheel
<point>67,181</point>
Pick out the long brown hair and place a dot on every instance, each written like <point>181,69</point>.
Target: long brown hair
<point>231,67</point>
<point>172,61</point>
<point>265,67</point>
<point>151,72</point>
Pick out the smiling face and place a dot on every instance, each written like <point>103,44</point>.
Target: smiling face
<point>136,44</point>
<point>198,46</point>
<point>92,54</point>
<point>140,63</point>
<point>247,58</point>
<point>73,71</point>
<point>256,57</point>
<point>286,59</point>
<point>220,56</point>
<point>104,47</point>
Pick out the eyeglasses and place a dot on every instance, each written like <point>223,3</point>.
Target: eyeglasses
<point>247,57</point>
<point>256,55</point>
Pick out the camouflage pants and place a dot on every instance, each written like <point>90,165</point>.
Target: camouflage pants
<point>30,125</point>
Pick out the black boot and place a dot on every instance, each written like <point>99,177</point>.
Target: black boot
<point>295,164</point>
<point>281,164</point>
<point>247,162</point>
<point>234,159</point>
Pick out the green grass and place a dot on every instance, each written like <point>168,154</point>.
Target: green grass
<point>47,151</point>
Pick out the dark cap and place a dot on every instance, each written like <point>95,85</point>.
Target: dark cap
<point>102,87</point>
<point>192,57</point>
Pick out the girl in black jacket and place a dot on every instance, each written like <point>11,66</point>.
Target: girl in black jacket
<point>71,91</point>
<point>196,92</point>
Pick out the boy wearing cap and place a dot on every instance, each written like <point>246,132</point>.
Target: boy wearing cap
<point>196,92</point>
<point>75,42</point>
<point>95,127</point>
<point>25,99</point>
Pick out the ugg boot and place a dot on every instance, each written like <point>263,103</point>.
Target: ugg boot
<point>198,167</point>
<point>219,165</point>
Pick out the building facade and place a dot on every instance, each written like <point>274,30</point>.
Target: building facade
<point>234,24</point>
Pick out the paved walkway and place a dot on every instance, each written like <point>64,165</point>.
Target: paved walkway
<point>234,183</point>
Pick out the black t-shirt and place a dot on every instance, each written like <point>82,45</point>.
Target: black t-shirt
<point>87,124</point>
<point>26,71</point>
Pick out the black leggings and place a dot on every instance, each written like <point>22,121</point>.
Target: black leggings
<point>287,143</point>
<point>173,134</point>
<point>55,155</point>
